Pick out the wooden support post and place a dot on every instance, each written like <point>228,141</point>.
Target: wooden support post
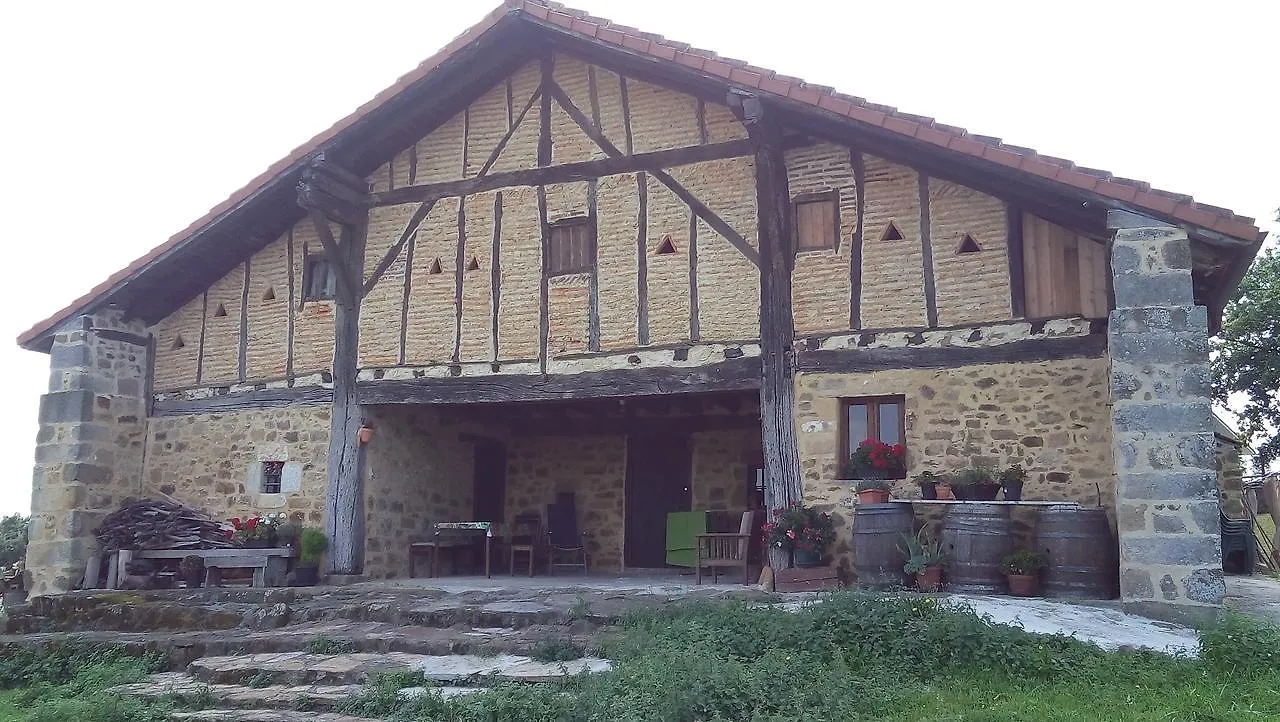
<point>777,331</point>
<point>344,497</point>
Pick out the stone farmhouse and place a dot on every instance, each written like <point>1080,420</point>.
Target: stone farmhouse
<point>566,255</point>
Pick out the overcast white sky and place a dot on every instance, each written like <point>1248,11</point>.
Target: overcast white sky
<point>122,122</point>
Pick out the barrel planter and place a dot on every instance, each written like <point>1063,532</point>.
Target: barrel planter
<point>1081,553</point>
<point>976,537</point>
<point>878,546</point>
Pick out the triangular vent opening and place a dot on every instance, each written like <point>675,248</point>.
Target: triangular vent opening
<point>473,264</point>
<point>178,343</point>
<point>667,247</point>
<point>269,294</point>
<point>435,267</point>
<point>968,245</point>
<point>221,312</point>
<point>891,233</point>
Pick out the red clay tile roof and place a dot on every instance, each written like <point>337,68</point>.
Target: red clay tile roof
<point>1134,193</point>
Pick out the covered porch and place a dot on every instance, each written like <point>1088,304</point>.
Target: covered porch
<point>622,465</point>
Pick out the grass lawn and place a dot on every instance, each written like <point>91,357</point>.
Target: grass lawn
<point>853,657</point>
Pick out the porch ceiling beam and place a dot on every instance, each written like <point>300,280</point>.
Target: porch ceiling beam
<point>564,173</point>
<point>734,375</point>
<point>610,427</point>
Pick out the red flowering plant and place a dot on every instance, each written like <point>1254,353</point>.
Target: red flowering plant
<point>877,460</point>
<point>255,529</point>
<point>799,527</point>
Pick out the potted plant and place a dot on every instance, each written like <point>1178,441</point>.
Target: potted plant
<point>1012,480</point>
<point>311,547</point>
<point>192,568</point>
<point>944,486</point>
<point>979,484</point>
<point>877,460</point>
<point>873,491</point>
<point>924,560</point>
<point>288,532</point>
<point>1022,569</point>
<point>805,532</point>
<point>928,483</point>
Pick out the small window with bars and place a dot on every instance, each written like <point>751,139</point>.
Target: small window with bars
<point>569,247</point>
<point>319,282</point>
<point>817,218</point>
<point>272,476</point>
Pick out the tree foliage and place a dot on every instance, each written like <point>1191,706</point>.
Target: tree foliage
<point>1247,358</point>
<point>13,539</point>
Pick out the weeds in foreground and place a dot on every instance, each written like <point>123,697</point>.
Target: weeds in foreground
<point>329,645</point>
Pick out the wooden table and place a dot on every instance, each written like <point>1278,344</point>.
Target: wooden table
<point>459,529</point>
<point>1073,504</point>
<point>270,566</point>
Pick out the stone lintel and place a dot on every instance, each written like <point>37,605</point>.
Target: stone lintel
<point>1169,485</point>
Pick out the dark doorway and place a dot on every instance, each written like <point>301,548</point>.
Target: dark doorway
<point>659,468</point>
<point>490,481</point>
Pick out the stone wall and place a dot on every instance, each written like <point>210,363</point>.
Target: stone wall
<point>592,467</point>
<point>1051,417</point>
<point>89,446</point>
<point>1231,493</point>
<point>722,463</point>
<point>213,462</point>
<point>1167,494</point>
<point>417,472</point>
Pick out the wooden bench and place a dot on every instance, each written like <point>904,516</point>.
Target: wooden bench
<point>270,566</point>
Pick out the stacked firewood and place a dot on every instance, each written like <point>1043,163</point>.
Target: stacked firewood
<point>155,524</point>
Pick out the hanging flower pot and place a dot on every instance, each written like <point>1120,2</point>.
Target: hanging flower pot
<point>365,434</point>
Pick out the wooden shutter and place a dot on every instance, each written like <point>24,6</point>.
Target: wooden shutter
<point>1064,273</point>
<point>569,249</point>
<point>817,222</point>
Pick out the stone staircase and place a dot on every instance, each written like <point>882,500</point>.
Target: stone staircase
<point>302,654</point>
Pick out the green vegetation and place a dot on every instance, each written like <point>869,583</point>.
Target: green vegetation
<point>13,539</point>
<point>67,683</point>
<point>852,657</point>
<point>313,543</point>
<point>556,650</point>
<point>329,645</point>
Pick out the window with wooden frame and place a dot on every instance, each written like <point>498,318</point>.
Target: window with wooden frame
<point>319,280</point>
<point>569,247</point>
<point>817,218</point>
<point>272,477</point>
<point>882,418</point>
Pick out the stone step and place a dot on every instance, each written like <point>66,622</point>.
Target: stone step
<point>300,668</point>
<point>181,648</point>
<point>312,697</point>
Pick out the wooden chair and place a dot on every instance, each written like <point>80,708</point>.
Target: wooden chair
<point>566,546</point>
<point>526,537</point>
<point>726,550</point>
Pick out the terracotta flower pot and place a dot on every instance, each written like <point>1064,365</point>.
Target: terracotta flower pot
<point>873,496</point>
<point>930,579</point>
<point>1023,585</point>
<point>944,492</point>
<point>928,490</point>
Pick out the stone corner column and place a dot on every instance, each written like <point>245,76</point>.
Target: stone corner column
<point>89,446</point>
<point>1165,451</point>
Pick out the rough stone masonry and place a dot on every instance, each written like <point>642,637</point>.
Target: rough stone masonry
<point>1167,493</point>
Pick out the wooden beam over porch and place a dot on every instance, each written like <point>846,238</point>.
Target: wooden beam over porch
<point>740,374</point>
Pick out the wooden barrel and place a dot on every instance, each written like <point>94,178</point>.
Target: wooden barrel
<point>976,537</point>
<point>1081,553</point>
<point>878,555</point>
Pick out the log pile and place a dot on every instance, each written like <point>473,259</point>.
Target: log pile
<point>155,524</point>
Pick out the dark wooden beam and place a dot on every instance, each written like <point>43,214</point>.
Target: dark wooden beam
<point>405,294</point>
<point>626,115</point>
<point>344,497</point>
<point>544,289</point>
<point>642,260</point>
<point>593,95</point>
<point>246,401</point>
<point>204,322</point>
<point>495,274</point>
<point>348,285</point>
<point>322,164</point>
<point>593,280</point>
<point>740,374</point>
<point>695,329</point>
<point>864,360</point>
<point>354,196</point>
<point>242,346</point>
<point>459,268</point>
<point>1017,279</point>
<point>697,206</point>
<point>313,199</point>
<point>410,230</point>
<point>855,243</point>
<point>565,172</point>
<point>777,331</point>
<point>926,253</point>
<point>511,130</point>
<point>289,319</point>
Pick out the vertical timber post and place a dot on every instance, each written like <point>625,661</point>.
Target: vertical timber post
<point>777,332</point>
<point>344,496</point>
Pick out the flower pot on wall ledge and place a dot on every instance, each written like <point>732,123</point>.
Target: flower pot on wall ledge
<point>873,496</point>
<point>930,579</point>
<point>1023,585</point>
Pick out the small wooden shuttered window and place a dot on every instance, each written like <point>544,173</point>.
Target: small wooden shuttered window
<point>817,221</point>
<point>569,248</point>
<point>1064,272</point>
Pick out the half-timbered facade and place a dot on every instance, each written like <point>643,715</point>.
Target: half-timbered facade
<point>561,256</point>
